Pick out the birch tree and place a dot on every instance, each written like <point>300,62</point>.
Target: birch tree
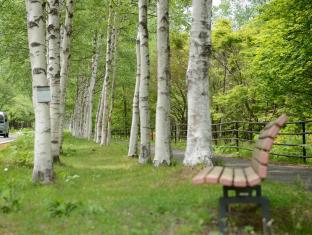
<point>135,124</point>
<point>103,97</point>
<point>107,75</point>
<point>80,111</point>
<point>43,167</point>
<point>53,74</point>
<point>89,101</point>
<point>98,122</point>
<point>65,55</point>
<point>199,138</point>
<point>144,85</point>
<point>163,153</point>
<point>112,97</point>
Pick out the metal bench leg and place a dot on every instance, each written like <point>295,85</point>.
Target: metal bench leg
<point>265,208</point>
<point>223,213</point>
<point>265,203</point>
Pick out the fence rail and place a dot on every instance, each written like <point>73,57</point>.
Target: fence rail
<point>295,140</point>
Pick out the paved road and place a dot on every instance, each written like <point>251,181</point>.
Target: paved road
<point>288,174</point>
<point>7,140</point>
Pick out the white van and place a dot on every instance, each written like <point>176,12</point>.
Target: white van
<point>4,125</point>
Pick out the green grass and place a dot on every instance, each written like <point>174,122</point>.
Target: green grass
<point>101,191</point>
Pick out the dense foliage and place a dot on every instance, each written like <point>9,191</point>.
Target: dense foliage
<point>260,66</point>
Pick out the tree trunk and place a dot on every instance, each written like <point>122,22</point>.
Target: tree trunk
<point>125,111</point>
<point>54,75</point>
<point>144,85</point>
<point>89,101</point>
<point>107,76</point>
<point>111,108</point>
<point>135,124</point>
<point>43,167</point>
<point>65,55</point>
<point>99,117</point>
<point>163,153</point>
<point>110,114</point>
<point>199,138</point>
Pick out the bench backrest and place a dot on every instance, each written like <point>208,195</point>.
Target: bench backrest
<point>260,155</point>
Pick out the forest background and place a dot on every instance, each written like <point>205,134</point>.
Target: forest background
<point>261,59</point>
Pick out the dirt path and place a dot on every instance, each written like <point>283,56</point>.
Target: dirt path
<point>288,174</point>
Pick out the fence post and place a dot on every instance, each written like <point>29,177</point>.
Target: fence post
<point>236,133</point>
<point>220,133</point>
<point>215,135</point>
<point>175,132</point>
<point>304,151</point>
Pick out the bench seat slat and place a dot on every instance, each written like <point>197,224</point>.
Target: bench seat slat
<point>280,121</point>
<point>261,156</point>
<point>239,178</point>
<point>261,170</point>
<point>227,177</point>
<point>200,177</point>
<point>271,132</point>
<point>252,178</point>
<point>214,175</point>
<point>269,125</point>
<point>265,144</point>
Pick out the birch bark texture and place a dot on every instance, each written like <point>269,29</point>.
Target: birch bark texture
<point>103,108</point>
<point>112,96</point>
<point>106,84</point>
<point>145,130</point>
<point>53,35</point>
<point>99,116</point>
<point>43,164</point>
<point>135,123</point>
<point>199,138</point>
<point>65,55</point>
<point>163,153</point>
<point>89,101</point>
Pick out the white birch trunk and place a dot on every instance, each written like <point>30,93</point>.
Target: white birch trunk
<point>54,75</point>
<point>199,138</point>
<point>135,124</point>
<point>76,108</point>
<point>89,102</point>
<point>104,111</point>
<point>65,54</point>
<point>111,108</point>
<point>80,110</point>
<point>99,118</point>
<point>107,76</point>
<point>144,85</point>
<point>163,153</point>
<point>43,162</point>
<point>84,108</point>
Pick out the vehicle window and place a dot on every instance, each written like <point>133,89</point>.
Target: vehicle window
<point>1,119</point>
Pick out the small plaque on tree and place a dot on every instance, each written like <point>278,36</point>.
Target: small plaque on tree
<point>43,94</point>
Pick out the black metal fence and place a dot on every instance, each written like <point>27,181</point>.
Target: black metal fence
<point>294,141</point>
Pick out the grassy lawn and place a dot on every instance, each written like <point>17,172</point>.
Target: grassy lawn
<point>99,190</point>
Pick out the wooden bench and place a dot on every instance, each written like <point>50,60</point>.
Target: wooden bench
<point>244,181</point>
